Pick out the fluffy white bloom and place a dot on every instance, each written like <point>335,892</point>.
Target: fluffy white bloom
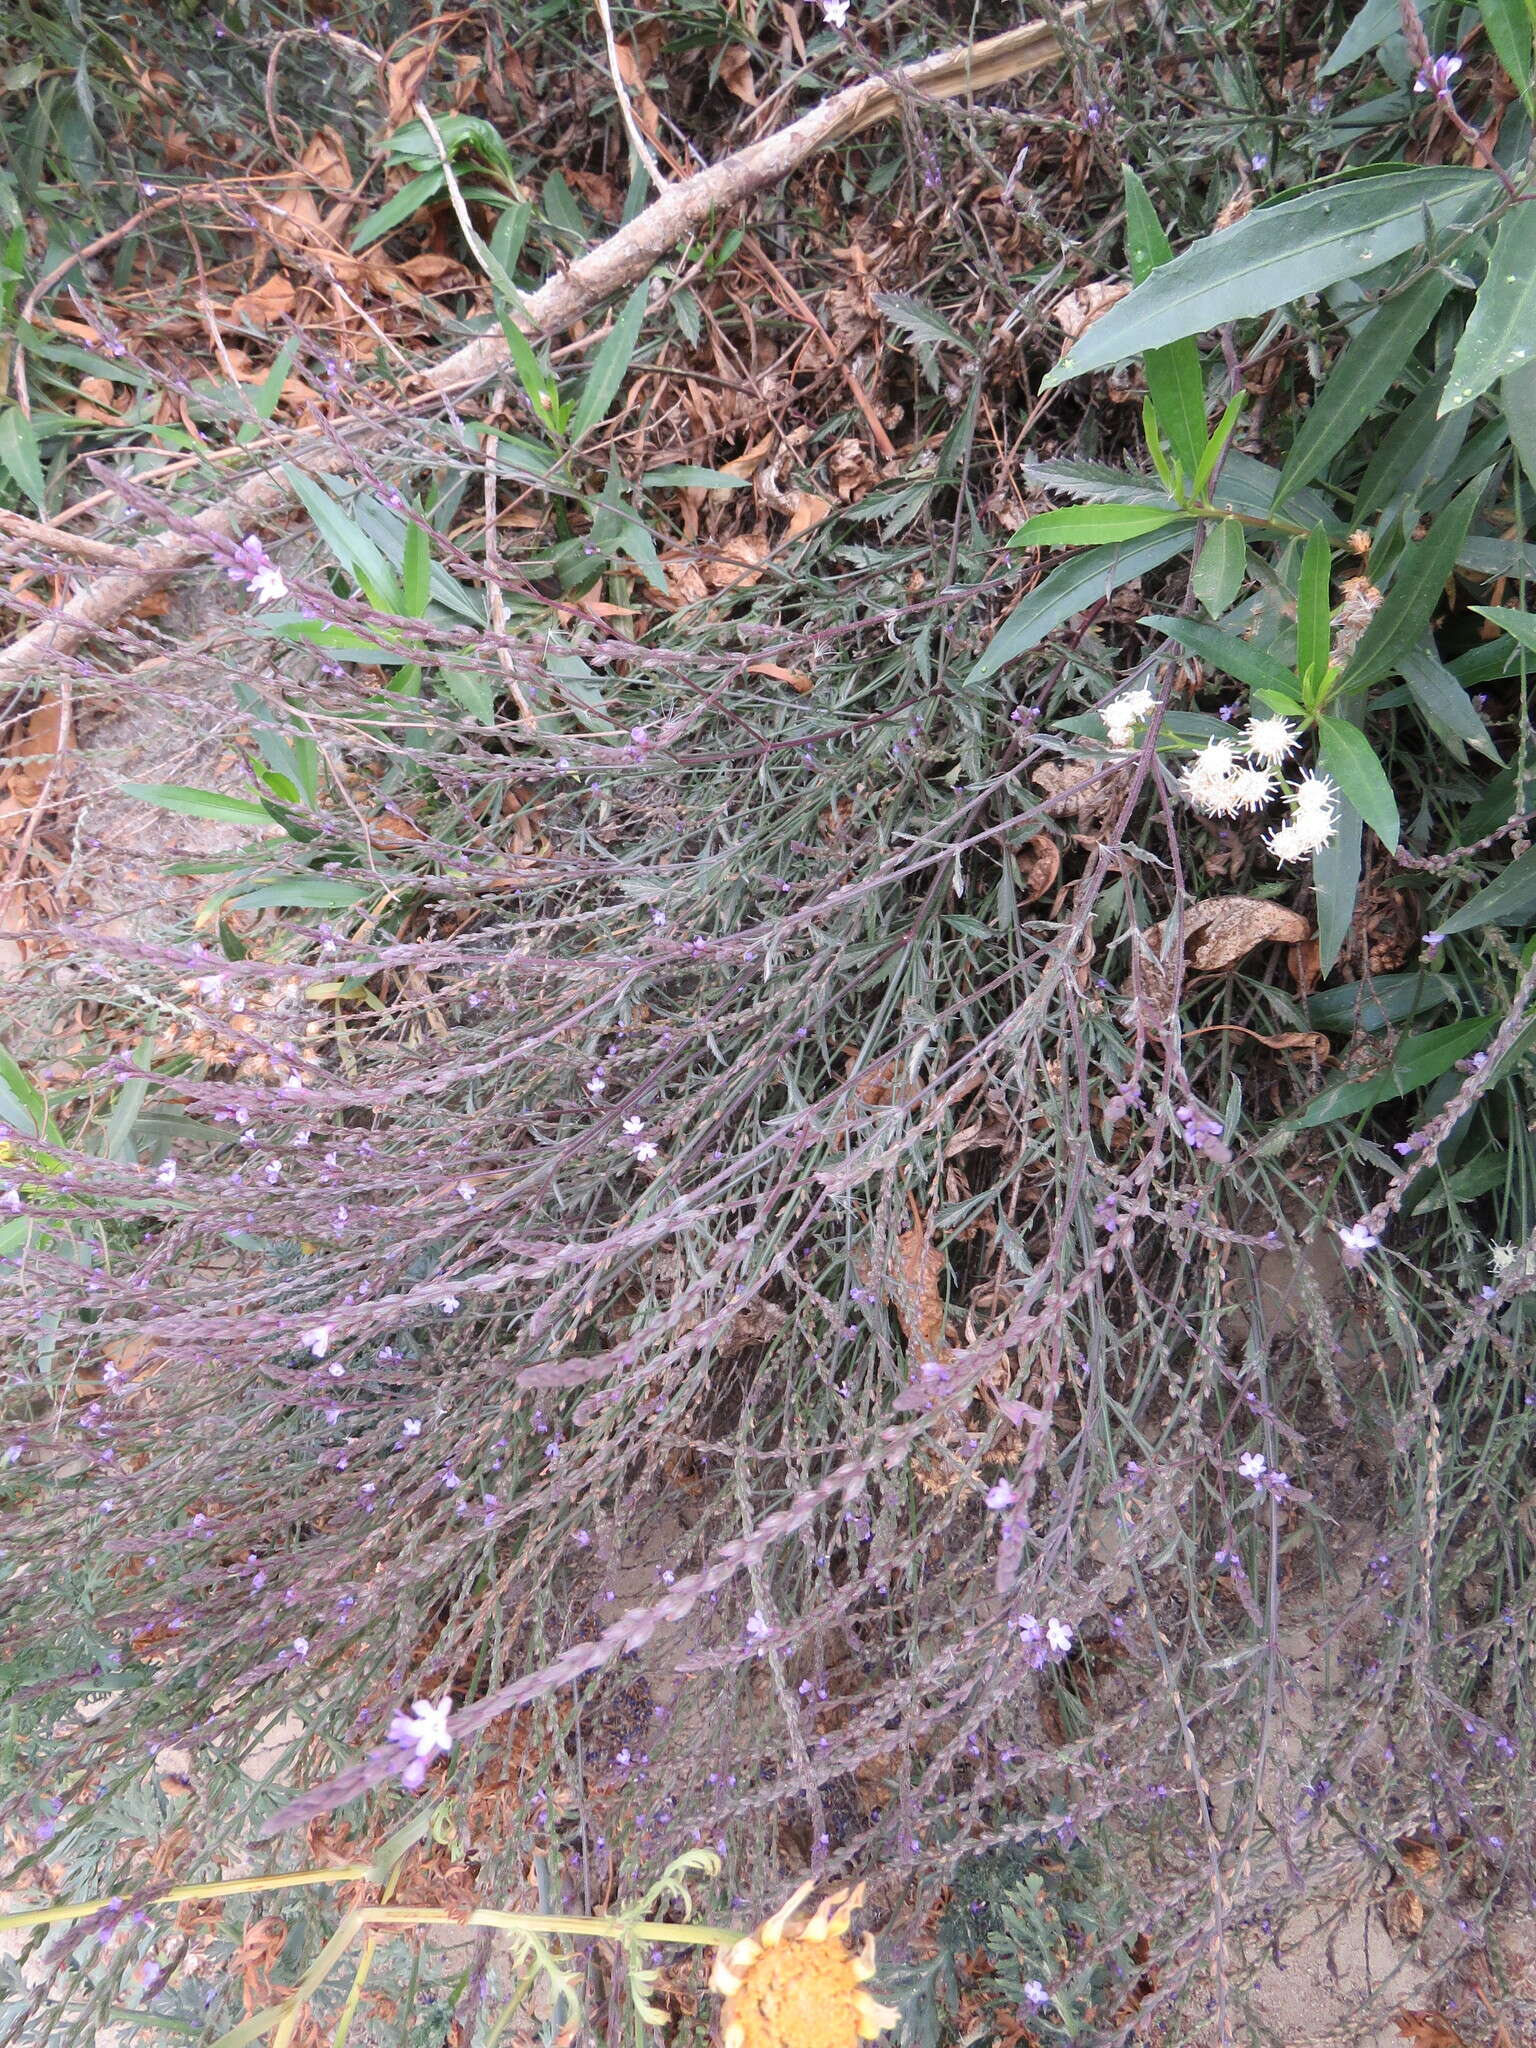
<point>1122,717</point>
<point>1208,780</point>
<point>1304,835</point>
<point>1501,1256</point>
<point>1315,795</point>
<point>1272,740</point>
<point>1252,788</point>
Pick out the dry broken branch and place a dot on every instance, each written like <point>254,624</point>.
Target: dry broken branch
<point>615,265</point>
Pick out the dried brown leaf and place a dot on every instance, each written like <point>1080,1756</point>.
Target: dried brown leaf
<point>403,80</point>
<point>632,67</point>
<point>1075,313</point>
<point>809,511</point>
<point>1039,861</point>
<point>919,1304</point>
<point>796,678</point>
<point>1426,2028</point>
<point>272,300</point>
<point>736,73</point>
<point>1223,929</point>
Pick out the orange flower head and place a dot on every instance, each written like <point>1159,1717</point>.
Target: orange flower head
<point>796,1983</point>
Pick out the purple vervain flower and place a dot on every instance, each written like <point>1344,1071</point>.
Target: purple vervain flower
<point>425,1733</point>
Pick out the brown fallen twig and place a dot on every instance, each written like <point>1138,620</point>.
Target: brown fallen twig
<point>614,266</point>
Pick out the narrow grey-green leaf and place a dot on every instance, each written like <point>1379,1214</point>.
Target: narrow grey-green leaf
<point>1416,590</point>
<point>1510,898</point>
<point>1083,581</point>
<point>1518,396</point>
<point>1280,252</point>
<point>1365,371</point>
<point>1336,883</point>
<point>1500,333</point>
<point>1448,710</point>
<point>1376,22</point>
<point>1220,565</point>
<point>1229,652</point>
<point>1175,382</point>
<point>610,365</point>
<point>1313,611</point>
<point>1520,626</point>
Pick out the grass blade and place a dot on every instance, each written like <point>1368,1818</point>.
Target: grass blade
<point>610,366</point>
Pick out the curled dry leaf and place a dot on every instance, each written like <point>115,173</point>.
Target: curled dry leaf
<point>796,678</point>
<point>1039,862</point>
<point>1223,929</point>
<point>403,80</point>
<point>736,73</point>
<point>1076,312</point>
<point>272,300</point>
<point>1402,1913</point>
<point>1426,2028</point>
<point>809,511</point>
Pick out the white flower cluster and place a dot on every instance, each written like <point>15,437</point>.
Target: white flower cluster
<point>1125,714</point>
<point>1225,779</point>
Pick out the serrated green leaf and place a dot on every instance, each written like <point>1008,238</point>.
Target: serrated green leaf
<point>1348,756</point>
<point>1500,333</point>
<point>1415,1063</point>
<point>610,365</point>
<point>919,321</point>
<point>1220,566</point>
<point>1417,587</point>
<point>1229,652</point>
<point>1510,898</point>
<point>1336,884</point>
<point>1314,622</point>
<point>1068,590</point>
<point>198,803</point>
<point>1448,711</point>
<point>1076,526</point>
<point>1365,371</point>
<point>20,454</point>
<point>1299,245</point>
<point>1175,383</point>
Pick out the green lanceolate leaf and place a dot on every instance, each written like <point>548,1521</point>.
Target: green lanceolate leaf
<point>1281,252</point>
<point>1314,623</point>
<point>1083,581</point>
<point>1509,898</point>
<point>1365,371</point>
<point>1518,396</point>
<point>19,453</point>
<point>1500,333</point>
<point>1376,22</point>
<point>610,366</point>
<point>1416,1062</point>
<point>1520,626</point>
<point>1348,756</point>
<point>1078,526</point>
<point>1509,24</point>
<point>1230,653</point>
<point>1416,589</point>
<point>1174,380</point>
<point>1220,566</point>
<point>199,803</point>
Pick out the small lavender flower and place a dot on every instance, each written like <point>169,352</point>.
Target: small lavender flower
<point>317,1341</point>
<point>1435,76</point>
<point>1058,1637</point>
<point>1358,1237</point>
<point>165,1175</point>
<point>425,1733</point>
<point>1253,1465</point>
<point>1036,1993</point>
<point>1001,1497</point>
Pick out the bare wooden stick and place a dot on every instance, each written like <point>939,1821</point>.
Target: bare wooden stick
<point>614,266</point>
